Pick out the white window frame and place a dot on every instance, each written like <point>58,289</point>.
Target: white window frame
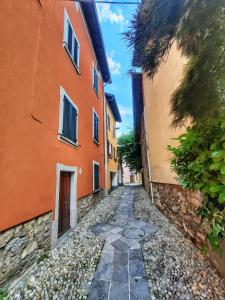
<point>94,69</point>
<point>93,125</point>
<point>65,39</point>
<point>95,163</point>
<point>73,199</point>
<point>61,108</point>
<point>76,3</point>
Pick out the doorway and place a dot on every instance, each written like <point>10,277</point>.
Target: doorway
<point>64,203</point>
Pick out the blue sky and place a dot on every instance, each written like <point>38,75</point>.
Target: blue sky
<point>114,21</point>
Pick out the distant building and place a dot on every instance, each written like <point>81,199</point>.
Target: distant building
<point>112,117</point>
<point>130,176</point>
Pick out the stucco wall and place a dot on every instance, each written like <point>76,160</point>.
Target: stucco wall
<point>159,134</point>
<point>34,65</point>
<point>112,163</point>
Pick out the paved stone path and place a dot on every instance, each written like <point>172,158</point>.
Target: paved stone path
<point>120,274</point>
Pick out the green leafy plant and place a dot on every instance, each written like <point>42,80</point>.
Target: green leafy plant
<point>198,27</point>
<point>130,151</point>
<point>199,162</point>
<point>42,257</point>
<point>3,294</point>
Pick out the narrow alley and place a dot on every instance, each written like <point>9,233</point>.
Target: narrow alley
<point>162,262</point>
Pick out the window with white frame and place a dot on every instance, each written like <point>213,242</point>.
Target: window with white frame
<point>70,42</point>
<point>95,127</point>
<point>68,121</point>
<point>95,80</point>
<point>96,176</point>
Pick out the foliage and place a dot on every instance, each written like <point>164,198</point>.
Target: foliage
<point>130,151</point>
<point>199,29</point>
<point>42,257</point>
<point>199,161</point>
<point>3,294</point>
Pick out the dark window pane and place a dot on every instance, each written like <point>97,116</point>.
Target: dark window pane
<point>69,121</point>
<point>70,38</point>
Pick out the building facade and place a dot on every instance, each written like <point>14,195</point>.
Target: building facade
<point>112,117</point>
<point>53,72</point>
<point>152,120</point>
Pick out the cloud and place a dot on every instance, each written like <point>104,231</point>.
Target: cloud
<point>106,14</point>
<point>114,66</point>
<point>125,111</point>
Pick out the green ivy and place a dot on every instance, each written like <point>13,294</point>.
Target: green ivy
<point>199,162</point>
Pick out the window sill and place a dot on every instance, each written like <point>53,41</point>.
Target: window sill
<point>67,51</point>
<point>67,141</point>
<point>96,191</point>
<point>96,142</point>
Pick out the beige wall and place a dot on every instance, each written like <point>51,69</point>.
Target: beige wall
<point>157,94</point>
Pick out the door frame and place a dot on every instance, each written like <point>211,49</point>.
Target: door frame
<point>73,199</point>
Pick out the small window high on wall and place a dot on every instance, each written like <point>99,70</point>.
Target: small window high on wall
<point>70,42</point>
<point>95,80</point>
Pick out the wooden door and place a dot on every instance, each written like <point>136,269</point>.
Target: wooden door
<point>64,203</point>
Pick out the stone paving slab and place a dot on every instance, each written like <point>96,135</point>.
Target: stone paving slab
<point>121,266</point>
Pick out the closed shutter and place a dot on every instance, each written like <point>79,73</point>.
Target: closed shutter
<point>75,52</point>
<point>96,127</point>
<point>69,130</point>
<point>70,38</point>
<point>96,81</point>
<point>73,129</point>
<point>66,112</point>
<point>96,177</point>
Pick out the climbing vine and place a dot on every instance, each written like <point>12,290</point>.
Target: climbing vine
<point>199,161</point>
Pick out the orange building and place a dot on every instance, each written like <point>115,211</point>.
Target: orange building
<point>53,69</point>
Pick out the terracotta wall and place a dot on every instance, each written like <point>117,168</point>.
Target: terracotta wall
<point>159,134</point>
<point>33,67</point>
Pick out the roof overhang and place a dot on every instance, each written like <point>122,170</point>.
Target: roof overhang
<point>111,100</point>
<point>91,16</point>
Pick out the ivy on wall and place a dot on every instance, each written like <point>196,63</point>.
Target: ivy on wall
<point>199,161</point>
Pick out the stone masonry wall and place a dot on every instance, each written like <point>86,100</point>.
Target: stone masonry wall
<point>86,203</point>
<point>181,206</point>
<point>21,245</point>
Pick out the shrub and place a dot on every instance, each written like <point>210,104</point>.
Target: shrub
<point>199,162</point>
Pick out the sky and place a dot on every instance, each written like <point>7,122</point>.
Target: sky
<point>114,20</point>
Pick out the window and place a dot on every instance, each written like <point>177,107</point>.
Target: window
<point>114,131</point>
<point>68,127</point>
<point>96,177</point>
<point>109,149</point>
<point>95,80</point>
<point>108,121</point>
<point>71,43</point>
<point>115,154</point>
<point>95,127</point>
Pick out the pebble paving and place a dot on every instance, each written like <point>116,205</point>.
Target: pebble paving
<point>120,274</point>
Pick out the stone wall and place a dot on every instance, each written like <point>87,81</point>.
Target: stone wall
<point>181,206</point>
<point>21,245</point>
<point>86,203</point>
